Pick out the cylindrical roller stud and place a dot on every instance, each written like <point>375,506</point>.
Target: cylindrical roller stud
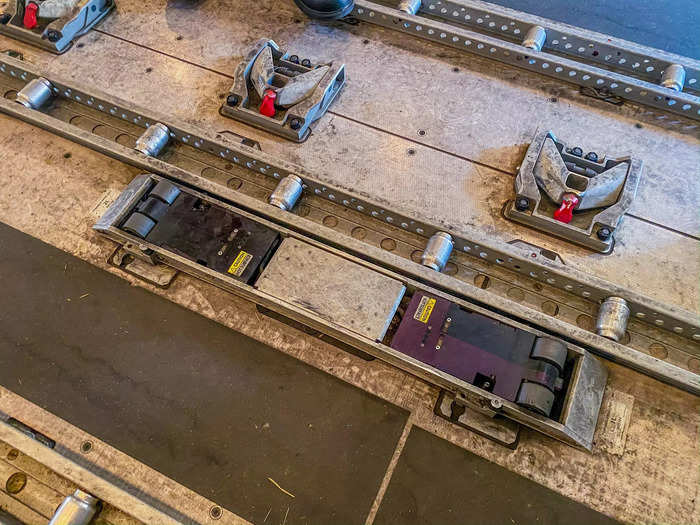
<point>673,77</point>
<point>612,318</point>
<point>153,140</point>
<point>77,509</point>
<point>409,7</point>
<point>535,38</point>
<point>35,94</point>
<point>437,251</point>
<point>287,193</point>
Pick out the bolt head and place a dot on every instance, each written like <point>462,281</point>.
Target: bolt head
<point>54,36</point>
<point>496,404</point>
<point>522,203</point>
<point>232,100</point>
<point>592,156</point>
<point>604,233</point>
<point>294,59</point>
<point>295,123</point>
<point>577,152</point>
<point>306,62</point>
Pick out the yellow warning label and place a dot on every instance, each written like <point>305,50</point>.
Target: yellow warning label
<point>425,308</point>
<point>240,263</point>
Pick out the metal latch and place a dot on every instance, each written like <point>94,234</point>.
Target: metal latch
<point>280,92</point>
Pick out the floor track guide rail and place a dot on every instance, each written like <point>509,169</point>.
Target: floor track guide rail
<point>594,61</point>
<point>471,267</point>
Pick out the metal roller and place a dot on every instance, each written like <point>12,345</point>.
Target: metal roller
<point>287,192</point>
<point>536,397</point>
<point>437,251</point>
<point>153,208</point>
<point>77,509</point>
<point>153,140</point>
<point>410,7</point>
<point>673,77</point>
<point>138,224</point>
<point>535,38</point>
<point>165,191</point>
<point>35,94</point>
<point>612,318</point>
<point>551,351</point>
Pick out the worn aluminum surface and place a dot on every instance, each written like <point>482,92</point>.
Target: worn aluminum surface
<point>581,402</point>
<point>545,177</point>
<point>60,34</point>
<point>304,91</point>
<point>343,293</point>
<point>452,24</point>
<point>104,123</point>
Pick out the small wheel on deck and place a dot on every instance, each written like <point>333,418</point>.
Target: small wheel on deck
<point>138,224</point>
<point>536,397</point>
<point>165,191</point>
<point>551,351</point>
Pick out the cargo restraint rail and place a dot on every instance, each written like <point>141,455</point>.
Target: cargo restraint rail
<point>515,280</point>
<point>601,64</point>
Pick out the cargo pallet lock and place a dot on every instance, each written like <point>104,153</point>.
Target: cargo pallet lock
<point>493,365</point>
<point>604,67</point>
<point>236,174</point>
<point>51,24</point>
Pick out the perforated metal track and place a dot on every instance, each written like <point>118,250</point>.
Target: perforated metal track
<point>588,55</point>
<point>518,274</point>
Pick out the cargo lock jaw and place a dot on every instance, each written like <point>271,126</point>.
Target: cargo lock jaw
<point>50,24</point>
<point>280,93</point>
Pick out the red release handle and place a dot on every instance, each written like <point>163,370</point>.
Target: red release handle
<point>267,107</point>
<point>566,211</point>
<point>30,12</point>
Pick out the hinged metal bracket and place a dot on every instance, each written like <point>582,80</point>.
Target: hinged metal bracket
<point>278,92</point>
<point>54,25</point>
<point>503,431</point>
<point>598,190</point>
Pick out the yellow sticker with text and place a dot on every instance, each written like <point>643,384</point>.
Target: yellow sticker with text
<point>240,263</point>
<point>425,308</point>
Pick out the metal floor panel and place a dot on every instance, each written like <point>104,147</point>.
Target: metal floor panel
<point>438,482</point>
<point>215,410</point>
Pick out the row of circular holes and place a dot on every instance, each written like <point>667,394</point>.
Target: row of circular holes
<point>374,213</point>
<point>389,245</point>
<point>545,65</point>
<point>555,42</point>
<point>585,293</point>
<point>600,82</point>
<point>549,280</point>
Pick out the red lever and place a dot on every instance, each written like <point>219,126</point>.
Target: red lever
<point>566,211</point>
<point>30,12</point>
<point>267,107</point>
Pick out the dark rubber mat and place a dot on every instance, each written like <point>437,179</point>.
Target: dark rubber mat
<point>215,410</point>
<point>436,482</point>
